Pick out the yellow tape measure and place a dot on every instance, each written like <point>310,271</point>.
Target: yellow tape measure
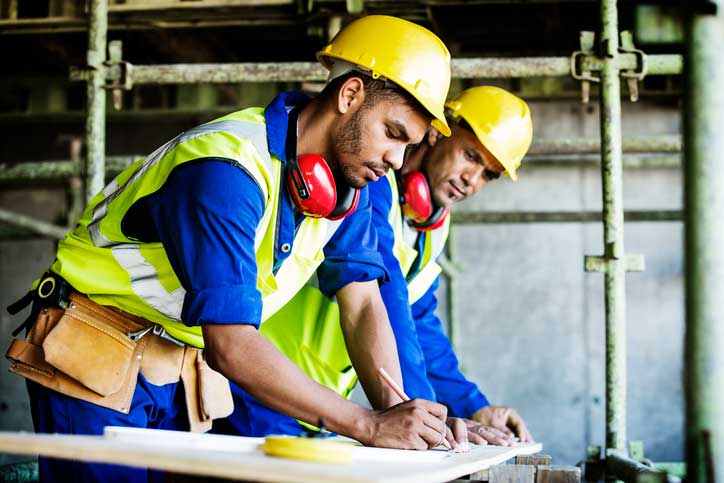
<point>308,449</point>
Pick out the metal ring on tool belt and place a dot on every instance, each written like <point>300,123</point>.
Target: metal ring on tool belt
<point>41,293</point>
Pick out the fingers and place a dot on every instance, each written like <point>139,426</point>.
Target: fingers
<point>494,436</point>
<point>437,410</point>
<point>459,434</point>
<point>517,423</point>
<point>475,438</point>
<point>452,440</point>
<point>433,437</point>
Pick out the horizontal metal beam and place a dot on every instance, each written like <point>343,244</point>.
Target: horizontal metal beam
<point>494,68</point>
<point>667,143</point>
<point>630,161</point>
<point>60,170</point>
<point>54,171</point>
<point>543,153</point>
<point>31,224</point>
<point>494,217</point>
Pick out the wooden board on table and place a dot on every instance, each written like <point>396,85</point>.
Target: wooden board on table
<point>242,461</point>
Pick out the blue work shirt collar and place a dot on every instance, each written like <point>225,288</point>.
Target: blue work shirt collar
<point>288,220</point>
<point>277,121</point>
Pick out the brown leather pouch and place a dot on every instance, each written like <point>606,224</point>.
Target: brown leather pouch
<point>81,352</point>
<point>214,392</point>
<point>90,348</point>
<point>208,395</point>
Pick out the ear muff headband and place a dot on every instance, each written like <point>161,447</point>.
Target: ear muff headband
<point>434,222</point>
<point>347,200</point>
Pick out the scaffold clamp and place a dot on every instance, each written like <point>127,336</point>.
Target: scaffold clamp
<point>633,76</point>
<point>578,71</point>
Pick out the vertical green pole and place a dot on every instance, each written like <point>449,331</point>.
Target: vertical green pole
<point>704,242</point>
<point>615,283</point>
<point>96,120</point>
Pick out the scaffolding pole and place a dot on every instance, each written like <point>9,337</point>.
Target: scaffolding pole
<point>615,271</point>
<point>473,68</point>
<point>704,241</point>
<point>96,81</point>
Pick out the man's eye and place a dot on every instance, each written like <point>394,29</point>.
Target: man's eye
<point>390,134</point>
<point>490,175</point>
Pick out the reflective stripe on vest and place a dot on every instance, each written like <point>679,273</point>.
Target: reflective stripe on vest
<point>112,269</point>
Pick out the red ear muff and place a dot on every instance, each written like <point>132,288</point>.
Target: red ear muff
<point>312,185</point>
<point>416,197</point>
<point>316,193</point>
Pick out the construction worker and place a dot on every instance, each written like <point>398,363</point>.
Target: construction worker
<point>197,244</point>
<point>491,132</point>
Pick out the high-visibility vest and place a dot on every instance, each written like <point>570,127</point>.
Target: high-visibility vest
<point>99,260</point>
<point>307,328</point>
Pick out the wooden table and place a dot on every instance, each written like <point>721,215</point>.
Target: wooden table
<point>240,458</point>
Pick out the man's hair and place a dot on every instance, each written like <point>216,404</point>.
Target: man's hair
<point>376,90</point>
<point>459,121</point>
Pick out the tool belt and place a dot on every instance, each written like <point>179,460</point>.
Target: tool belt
<point>94,353</point>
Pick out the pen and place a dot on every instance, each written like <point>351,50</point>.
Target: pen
<point>398,390</point>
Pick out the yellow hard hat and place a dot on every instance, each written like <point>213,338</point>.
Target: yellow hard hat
<point>405,53</point>
<point>499,119</point>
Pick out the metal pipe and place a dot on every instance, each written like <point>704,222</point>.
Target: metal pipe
<point>493,68</point>
<point>667,143</point>
<point>96,120</point>
<point>704,240</point>
<point>630,161</point>
<point>611,177</point>
<point>495,217</point>
<point>546,156</point>
<point>31,224</point>
<point>54,171</point>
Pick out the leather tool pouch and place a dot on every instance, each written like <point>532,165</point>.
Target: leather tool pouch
<point>82,351</point>
<point>208,395</point>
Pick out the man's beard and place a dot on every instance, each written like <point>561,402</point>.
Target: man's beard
<point>349,144</point>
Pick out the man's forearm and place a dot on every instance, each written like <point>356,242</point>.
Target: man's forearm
<point>253,363</point>
<point>369,340</point>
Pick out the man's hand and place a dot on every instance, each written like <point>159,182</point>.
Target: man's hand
<point>482,435</point>
<point>415,424</point>
<point>504,419</point>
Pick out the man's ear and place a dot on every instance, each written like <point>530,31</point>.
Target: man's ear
<point>433,135</point>
<point>351,95</point>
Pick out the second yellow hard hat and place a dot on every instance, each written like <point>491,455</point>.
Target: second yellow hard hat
<point>499,119</point>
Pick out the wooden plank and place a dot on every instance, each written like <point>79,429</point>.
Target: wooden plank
<point>533,459</point>
<point>558,474</point>
<point>512,474</point>
<point>237,444</point>
<point>245,464</point>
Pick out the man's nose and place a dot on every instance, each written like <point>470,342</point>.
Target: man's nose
<point>395,157</point>
<point>472,177</point>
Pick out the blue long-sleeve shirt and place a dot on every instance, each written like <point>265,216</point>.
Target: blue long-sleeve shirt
<point>206,216</point>
<point>429,366</point>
